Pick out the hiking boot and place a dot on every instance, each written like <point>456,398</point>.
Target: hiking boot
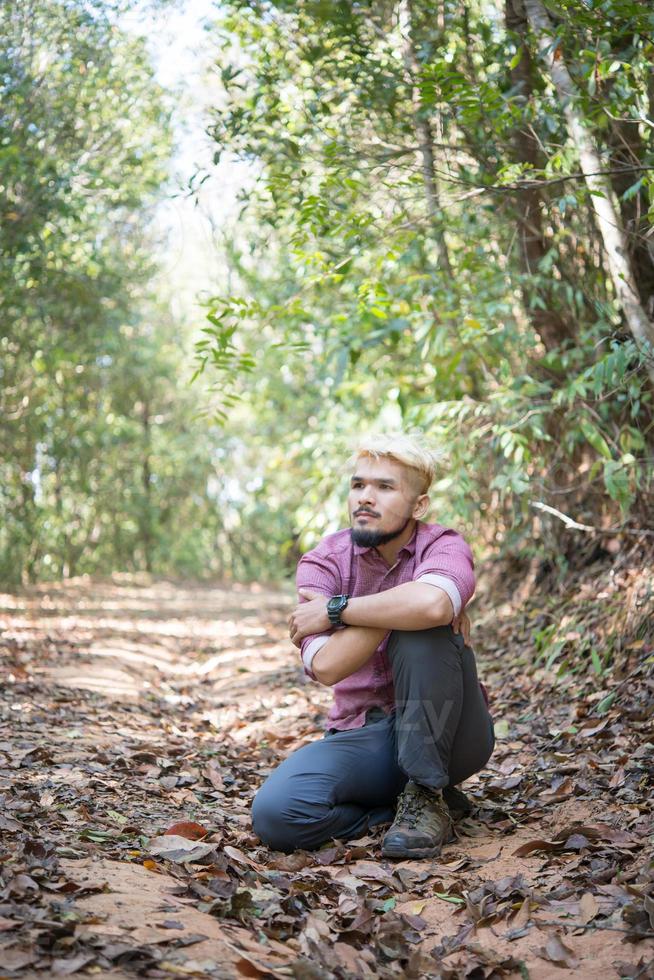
<point>422,824</point>
<point>457,803</point>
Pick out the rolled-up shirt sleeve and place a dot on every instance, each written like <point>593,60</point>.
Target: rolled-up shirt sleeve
<point>315,572</point>
<point>448,564</point>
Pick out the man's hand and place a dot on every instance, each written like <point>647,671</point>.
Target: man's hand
<point>309,616</point>
<point>461,624</point>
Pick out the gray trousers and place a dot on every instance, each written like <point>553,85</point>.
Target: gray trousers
<point>439,734</point>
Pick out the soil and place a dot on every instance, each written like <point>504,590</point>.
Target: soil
<point>131,705</point>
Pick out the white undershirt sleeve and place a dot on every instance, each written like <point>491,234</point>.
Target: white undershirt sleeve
<point>311,651</point>
<point>447,585</point>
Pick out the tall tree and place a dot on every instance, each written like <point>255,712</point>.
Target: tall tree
<point>381,132</point>
<point>607,214</point>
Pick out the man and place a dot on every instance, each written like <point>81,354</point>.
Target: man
<point>381,607</point>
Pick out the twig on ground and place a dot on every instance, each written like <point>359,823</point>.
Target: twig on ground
<point>592,925</point>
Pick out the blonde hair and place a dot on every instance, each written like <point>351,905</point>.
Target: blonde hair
<point>405,449</point>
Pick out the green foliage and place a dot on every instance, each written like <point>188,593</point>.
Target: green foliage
<point>384,285</point>
<point>418,251</point>
<point>102,462</point>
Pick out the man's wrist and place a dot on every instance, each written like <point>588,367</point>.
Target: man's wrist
<point>336,606</point>
<point>346,615</point>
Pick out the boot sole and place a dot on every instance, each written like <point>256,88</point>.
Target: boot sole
<point>404,853</point>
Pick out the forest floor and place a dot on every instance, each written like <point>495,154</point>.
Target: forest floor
<point>129,706</point>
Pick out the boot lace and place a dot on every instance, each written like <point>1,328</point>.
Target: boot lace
<point>410,805</point>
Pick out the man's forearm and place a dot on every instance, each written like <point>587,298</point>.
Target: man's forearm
<point>345,652</point>
<point>412,606</point>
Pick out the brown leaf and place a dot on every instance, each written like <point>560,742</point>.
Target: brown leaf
<point>237,855</point>
<point>21,884</point>
<point>180,849</point>
<point>291,862</point>
<point>213,774</point>
<point>639,969</point>
<point>557,952</point>
<point>565,788</point>
<point>7,924</point>
<point>9,825</point>
<point>522,916</point>
<point>588,907</point>
<point>362,921</point>
<point>351,960</point>
<point>330,855</point>
<point>15,958</point>
<point>187,829</point>
<point>316,928</point>
<point>593,729</point>
<point>618,778</point>
<point>536,845</point>
<point>368,869</point>
<point>248,967</point>
<point>66,967</point>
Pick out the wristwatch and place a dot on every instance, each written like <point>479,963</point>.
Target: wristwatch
<point>335,607</point>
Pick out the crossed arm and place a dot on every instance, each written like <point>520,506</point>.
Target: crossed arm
<point>411,606</point>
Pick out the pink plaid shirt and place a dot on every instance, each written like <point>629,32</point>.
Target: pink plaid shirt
<point>435,554</point>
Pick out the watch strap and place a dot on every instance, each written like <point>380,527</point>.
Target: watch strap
<point>335,607</point>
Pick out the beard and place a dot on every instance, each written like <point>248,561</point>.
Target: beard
<point>368,538</point>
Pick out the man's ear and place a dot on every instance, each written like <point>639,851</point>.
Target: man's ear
<point>421,506</point>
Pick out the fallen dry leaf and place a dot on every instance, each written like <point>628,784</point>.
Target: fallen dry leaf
<point>588,907</point>
<point>558,952</point>
<point>187,829</point>
<point>99,774</point>
<point>180,849</point>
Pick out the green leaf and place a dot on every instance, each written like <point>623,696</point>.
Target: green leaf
<point>594,437</point>
<point>501,728</point>
<point>606,703</point>
<point>454,899</point>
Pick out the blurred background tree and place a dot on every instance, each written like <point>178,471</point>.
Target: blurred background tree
<point>101,459</point>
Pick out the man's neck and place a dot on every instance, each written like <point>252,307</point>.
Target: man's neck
<point>391,549</point>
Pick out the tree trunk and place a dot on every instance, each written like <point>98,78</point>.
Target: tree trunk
<point>146,520</point>
<point>607,214</point>
<point>548,323</point>
<point>425,138</point>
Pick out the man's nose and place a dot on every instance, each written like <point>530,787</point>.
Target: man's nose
<point>366,496</point>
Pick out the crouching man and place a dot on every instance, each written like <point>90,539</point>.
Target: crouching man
<point>381,621</point>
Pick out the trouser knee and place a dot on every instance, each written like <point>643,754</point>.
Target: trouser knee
<point>268,823</point>
<point>413,643</point>
<point>282,825</point>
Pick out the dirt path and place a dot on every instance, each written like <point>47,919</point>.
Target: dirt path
<point>129,707</point>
